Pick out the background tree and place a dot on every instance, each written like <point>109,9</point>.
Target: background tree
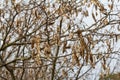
<point>58,39</point>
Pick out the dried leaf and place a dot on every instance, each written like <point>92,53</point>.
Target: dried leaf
<point>91,57</point>
<point>88,5</point>
<point>47,50</point>
<point>110,6</point>
<point>106,21</point>
<point>75,59</point>
<point>93,16</point>
<point>18,7</point>
<point>86,58</point>
<point>32,43</point>
<point>76,12</point>
<point>96,13</point>
<point>36,14</point>
<point>38,60</point>
<point>81,51</point>
<point>85,13</point>
<point>64,46</point>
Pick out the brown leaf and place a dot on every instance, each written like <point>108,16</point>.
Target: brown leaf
<point>32,43</point>
<point>86,58</point>
<point>64,46</point>
<point>106,21</point>
<point>91,57</point>
<point>93,16</point>
<point>85,13</point>
<point>110,6</point>
<point>75,58</point>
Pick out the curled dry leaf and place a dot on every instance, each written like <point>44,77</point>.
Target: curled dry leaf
<point>91,57</point>
<point>18,7</point>
<point>106,21</point>
<point>85,13</point>
<point>110,6</point>
<point>84,47</point>
<point>38,59</point>
<point>100,5</point>
<point>75,58</point>
<point>35,43</point>
<point>64,46</point>
<point>82,52</point>
<point>93,16</point>
<point>47,50</point>
<point>76,12</point>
